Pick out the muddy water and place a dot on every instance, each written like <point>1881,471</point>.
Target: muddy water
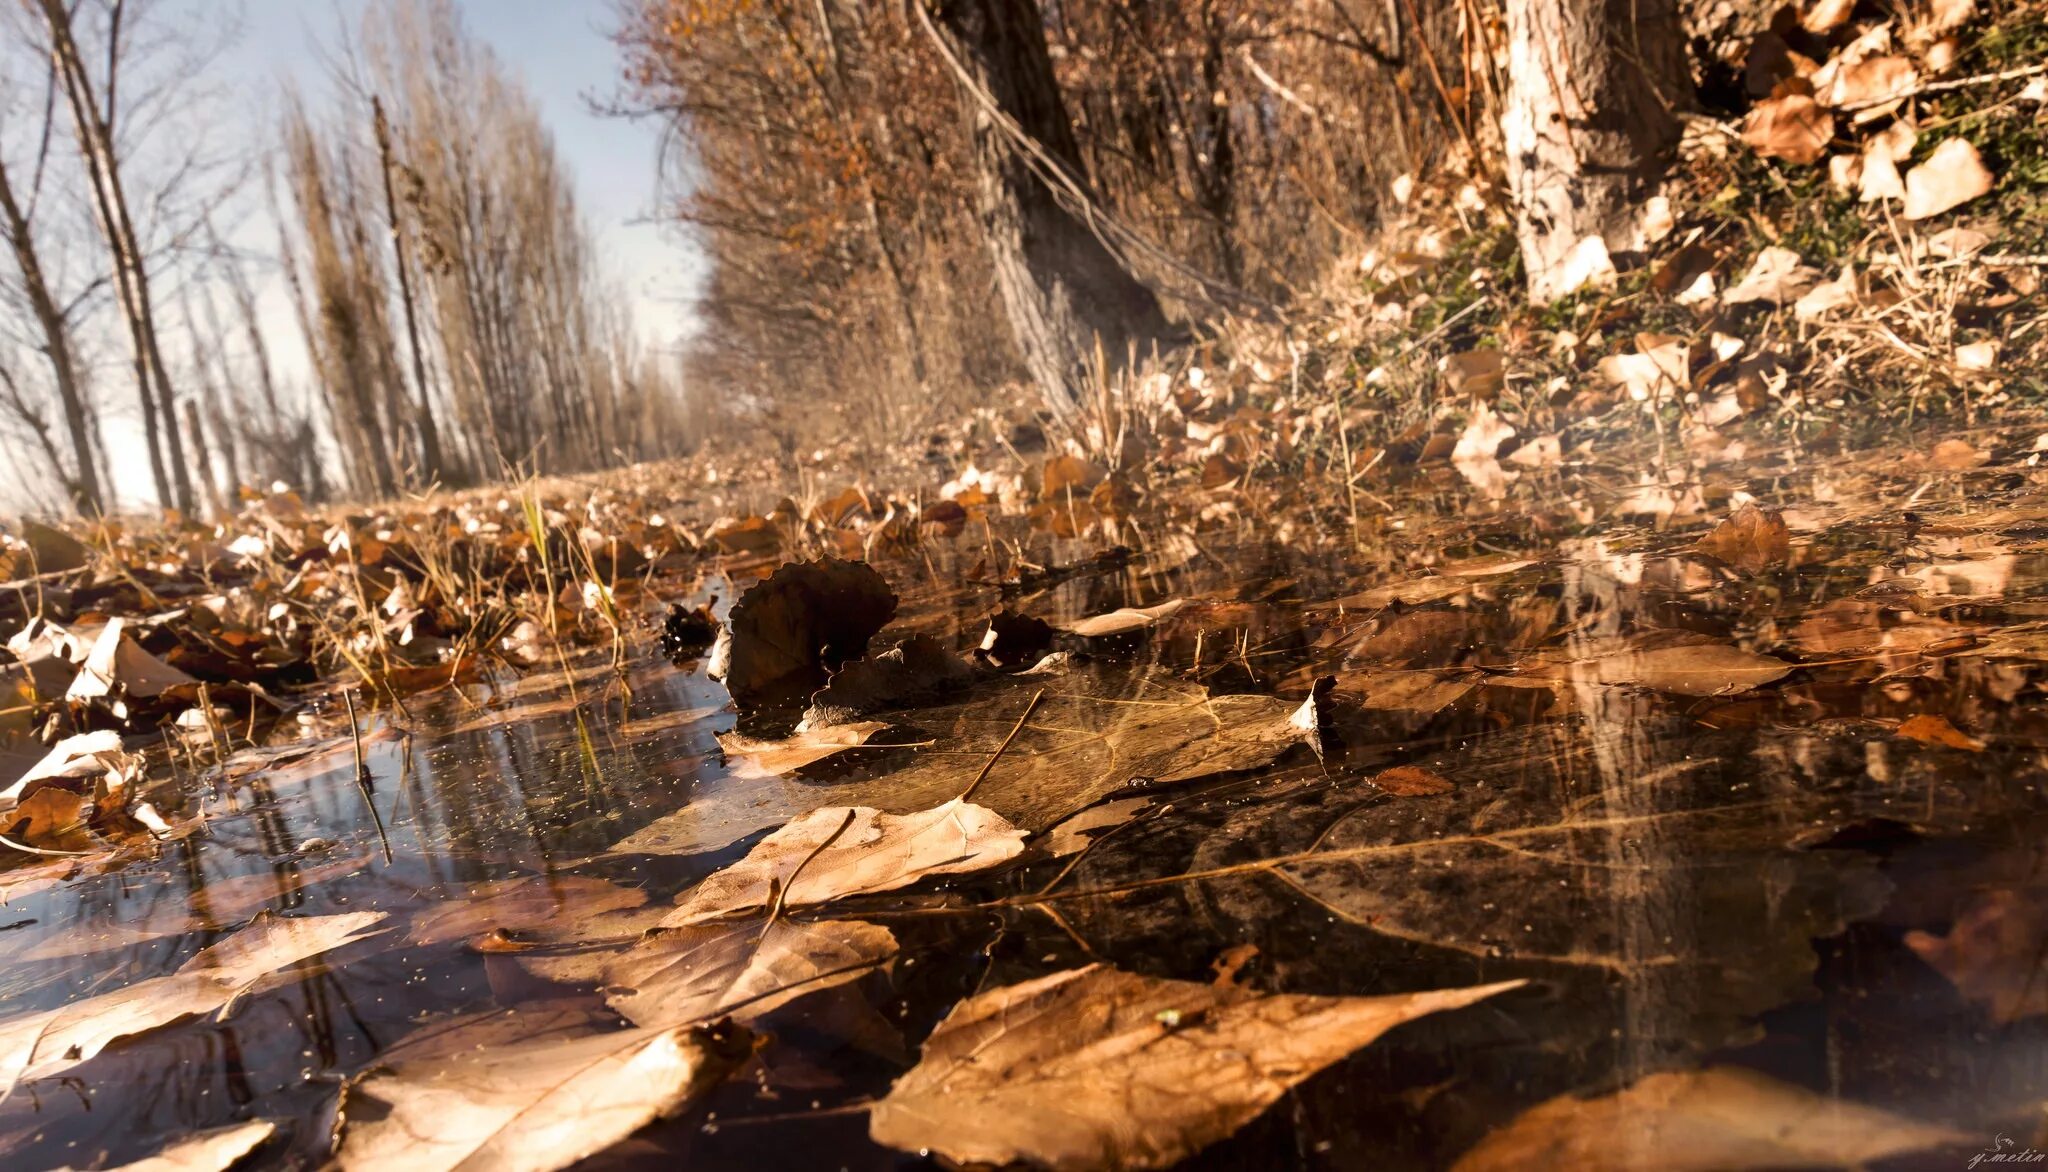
<point>1686,878</point>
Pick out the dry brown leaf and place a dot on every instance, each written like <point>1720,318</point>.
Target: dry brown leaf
<point>919,671</point>
<point>1825,16</point>
<point>687,976</point>
<point>1478,373</point>
<point>1790,126</point>
<point>1722,1119</point>
<point>756,534</point>
<point>1474,455</point>
<point>1751,540</point>
<point>47,1043</point>
<point>118,669</point>
<point>1930,729</point>
<point>529,1106</point>
<point>1697,669</point>
<point>838,851</point>
<point>1412,781</point>
<point>1098,1068</point>
<point>518,904</point>
<point>1957,455</point>
<point>208,1151</point>
<point>1951,177</point>
<point>1067,474</point>
<point>746,757</point>
<point>1869,82</point>
<point>1778,276</point>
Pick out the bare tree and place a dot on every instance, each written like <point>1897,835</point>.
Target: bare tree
<point>55,345</point>
<point>94,108</point>
<point>430,434</point>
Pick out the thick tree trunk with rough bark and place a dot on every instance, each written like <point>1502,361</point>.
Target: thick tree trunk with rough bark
<point>1589,125</point>
<point>14,226</point>
<point>1067,295</point>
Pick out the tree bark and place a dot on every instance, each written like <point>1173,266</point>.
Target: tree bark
<point>1066,294</point>
<point>56,345</point>
<point>131,277</point>
<point>1588,123</point>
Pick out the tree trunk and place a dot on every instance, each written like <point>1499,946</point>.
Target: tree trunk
<point>197,433</point>
<point>1588,125</point>
<point>1067,295</point>
<point>56,346</point>
<point>131,277</point>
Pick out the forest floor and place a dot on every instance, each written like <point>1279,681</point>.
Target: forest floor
<point>1425,732</point>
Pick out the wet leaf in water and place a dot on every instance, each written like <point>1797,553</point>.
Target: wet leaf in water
<point>118,668</point>
<point>1088,739</point>
<point>518,904</point>
<point>1098,1068</point>
<point>533,1106</point>
<point>1751,540</point>
<point>1124,621</point>
<point>919,671</point>
<point>748,758</point>
<point>687,632</point>
<point>1692,669</point>
<point>685,976</point>
<point>807,617</point>
<point>209,1151</point>
<point>839,851</point>
<point>39,1045</point>
<point>1412,781</point>
<point>1930,729</point>
<point>1723,1119</point>
<point>1994,953</point>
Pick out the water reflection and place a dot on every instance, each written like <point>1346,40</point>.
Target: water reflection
<point>1684,874</point>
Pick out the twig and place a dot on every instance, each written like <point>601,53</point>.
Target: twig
<point>355,733</point>
<point>1934,87</point>
<point>36,850</point>
<point>997,755</point>
<point>782,892</point>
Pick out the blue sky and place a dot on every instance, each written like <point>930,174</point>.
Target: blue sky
<point>562,50</point>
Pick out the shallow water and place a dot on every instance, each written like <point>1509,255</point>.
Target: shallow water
<point>1684,878</point>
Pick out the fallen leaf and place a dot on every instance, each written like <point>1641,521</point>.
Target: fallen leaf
<point>1930,729</point>
<point>1791,126</point>
<point>746,757</point>
<point>1825,16</point>
<point>1722,1119</point>
<point>44,1044</point>
<point>45,816</point>
<point>837,851</point>
<point>1977,356</point>
<point>519,904</point>
<point>1952,176</point>
<point>1695,669</point>
<point>208,1151</point>
<point>1870,82</point>
<point>1957,455</point>
<point>1478,373</point>
<point>1065,474</point>
<point>757,535</point>
<point>1125,620</point>
<point>1778,276</point>
<point>1751,540</point>
<point>1412,781</point>
<point>785,632</point>
<point>1661,365</point>
<point>1098,1068</point>
<point>1474,456</point>
<point>691,975</point>
<point>530,1106</point>
<point>919,671</point>
<point>1088,739</point>
<point>688,632</point>
<point>1828,296</point>
<point>118,668</point>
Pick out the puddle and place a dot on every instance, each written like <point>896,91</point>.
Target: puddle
<point>1675,799</point>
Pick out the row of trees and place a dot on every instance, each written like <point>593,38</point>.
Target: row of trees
<point>909,203</point>
<point>445,286</point>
